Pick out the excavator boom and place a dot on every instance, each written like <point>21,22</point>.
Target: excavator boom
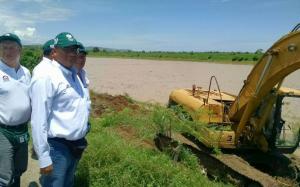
<point>282,59</point>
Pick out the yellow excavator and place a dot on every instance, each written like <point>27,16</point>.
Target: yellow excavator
<point>252,120</point>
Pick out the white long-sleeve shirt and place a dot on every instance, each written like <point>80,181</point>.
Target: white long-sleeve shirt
<point>83,77</point>
<point>15,106</point>
<point>85,81</point>
<point>42,67</point>
<point>60,108</point>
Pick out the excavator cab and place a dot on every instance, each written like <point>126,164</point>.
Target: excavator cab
<point>284,132</point>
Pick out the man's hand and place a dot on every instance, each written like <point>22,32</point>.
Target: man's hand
<point>46,170</point>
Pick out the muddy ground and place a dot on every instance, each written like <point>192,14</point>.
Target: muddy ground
<point>149,80</point>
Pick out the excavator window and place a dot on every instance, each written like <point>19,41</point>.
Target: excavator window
<point>286,121</point>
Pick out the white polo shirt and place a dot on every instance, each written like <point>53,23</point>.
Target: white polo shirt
<point>15,106</point>
<point>60,108</point>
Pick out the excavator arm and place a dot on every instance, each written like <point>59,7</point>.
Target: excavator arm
<point>279,61</point>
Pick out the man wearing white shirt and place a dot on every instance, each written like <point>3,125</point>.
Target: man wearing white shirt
<point>43,66</point>
<point>79,65</point>
<point>60,110</point>
<point>15,111</point>
<point>47,58</point>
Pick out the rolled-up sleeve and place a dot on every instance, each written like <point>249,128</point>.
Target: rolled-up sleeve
<point>41,94</point>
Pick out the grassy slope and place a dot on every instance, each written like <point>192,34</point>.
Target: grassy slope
<point>121,151</point>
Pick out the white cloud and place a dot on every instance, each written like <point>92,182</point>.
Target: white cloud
<point>22,16</point>
<point>48,14</point>
<point>26,33</point>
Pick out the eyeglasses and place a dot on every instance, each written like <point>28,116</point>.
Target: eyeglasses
<point>72,50</point>
<point>81,55</point>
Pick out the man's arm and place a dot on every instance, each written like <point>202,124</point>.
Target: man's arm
<point>41,93</point>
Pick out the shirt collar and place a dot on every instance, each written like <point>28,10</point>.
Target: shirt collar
<point>66,71</point>
<point>82,72</point>
<point>47,59</point>
<point>82,75</point>
<point>3,66</point>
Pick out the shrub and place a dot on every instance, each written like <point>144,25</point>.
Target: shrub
<point>255,58</point>
<point>96,49</point>
<point>30,57</point>
<point>234,59</point>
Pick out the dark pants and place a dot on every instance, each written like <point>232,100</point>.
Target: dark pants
<point>13,161</point>
<point>64,166</point>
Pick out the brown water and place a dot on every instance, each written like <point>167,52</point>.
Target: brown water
<point>152,80</point>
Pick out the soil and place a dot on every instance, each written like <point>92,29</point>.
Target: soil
<point>105,102</point>
<point>128,133</point>
<point>31,177</point>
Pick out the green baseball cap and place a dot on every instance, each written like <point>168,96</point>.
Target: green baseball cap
<point>49,45</point>
<point>11,37</point>
<point>81,48</point>
<point>65,39</point>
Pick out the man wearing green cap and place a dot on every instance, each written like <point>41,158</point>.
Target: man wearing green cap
<point>60,110</point>
<point>80,63</point>
<point>47,58</point>
<point>15,111</point>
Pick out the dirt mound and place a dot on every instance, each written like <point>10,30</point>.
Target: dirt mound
<point>129,134</point>
<point>103,102</point>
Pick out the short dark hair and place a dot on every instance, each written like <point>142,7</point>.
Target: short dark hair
<point>47,52</point>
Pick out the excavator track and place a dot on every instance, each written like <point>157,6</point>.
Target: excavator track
<point>226,167</point>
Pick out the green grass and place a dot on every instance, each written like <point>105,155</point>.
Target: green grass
<point>112,160</point>
<point>215,57</point>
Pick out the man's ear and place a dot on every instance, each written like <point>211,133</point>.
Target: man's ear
<point>54,53</point>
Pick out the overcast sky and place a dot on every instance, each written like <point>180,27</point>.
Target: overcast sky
<point>165,25</point>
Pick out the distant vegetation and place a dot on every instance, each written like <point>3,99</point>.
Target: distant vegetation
<point>213,56</point>
<point>31,55</point>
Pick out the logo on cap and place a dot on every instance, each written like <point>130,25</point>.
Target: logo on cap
<point>70,37</point>
<point>55,41</point>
